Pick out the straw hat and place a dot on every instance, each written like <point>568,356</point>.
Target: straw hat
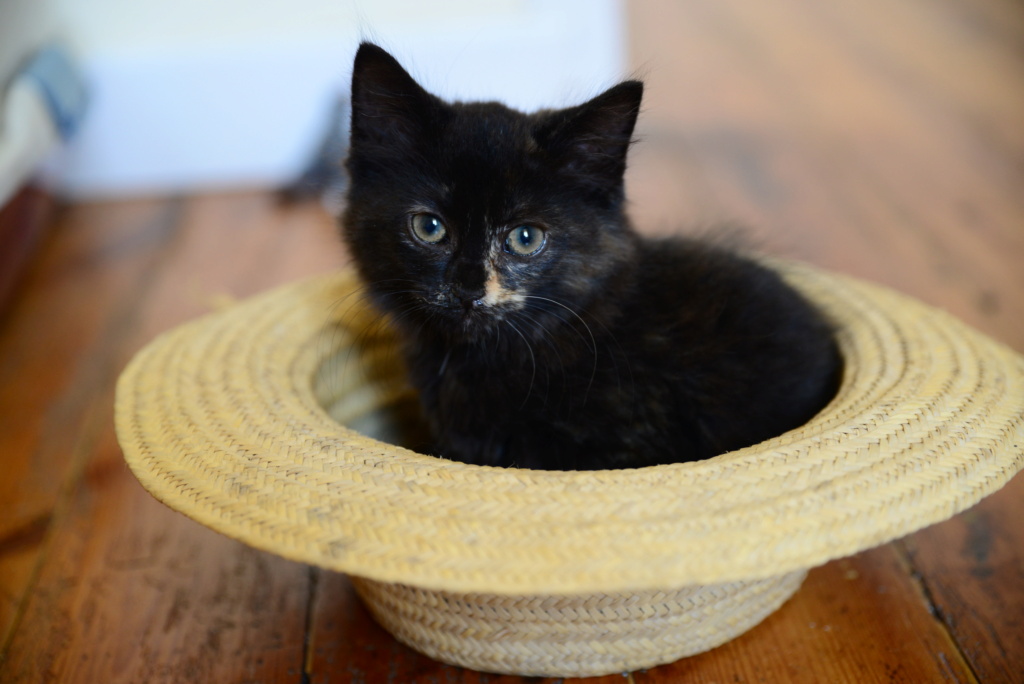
<point>238,420</point>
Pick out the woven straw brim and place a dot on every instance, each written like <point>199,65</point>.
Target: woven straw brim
<point>224,419</point>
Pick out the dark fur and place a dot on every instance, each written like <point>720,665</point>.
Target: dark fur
<point>641,352</point>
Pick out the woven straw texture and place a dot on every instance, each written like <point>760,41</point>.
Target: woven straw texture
<point>573,635</point>
<point>239,421</point>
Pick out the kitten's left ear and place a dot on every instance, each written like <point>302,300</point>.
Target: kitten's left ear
<point>389,109</point>
<point>592,139</point>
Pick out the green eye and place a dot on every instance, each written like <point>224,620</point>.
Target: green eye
<point>525,240</point>
<point>427,228</point>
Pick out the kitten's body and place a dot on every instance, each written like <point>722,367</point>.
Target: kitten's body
<point>599,349</point>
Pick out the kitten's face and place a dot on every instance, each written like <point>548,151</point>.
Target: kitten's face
<point>467,217</point>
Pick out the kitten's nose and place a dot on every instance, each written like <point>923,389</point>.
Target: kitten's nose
<point>462,297</point>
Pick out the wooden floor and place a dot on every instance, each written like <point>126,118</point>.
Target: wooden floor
<point>882,139</point>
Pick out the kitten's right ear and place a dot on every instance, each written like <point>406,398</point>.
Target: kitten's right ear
<point>591,140</point>
<point>388,106</point>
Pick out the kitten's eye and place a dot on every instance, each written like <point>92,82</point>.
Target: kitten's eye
<point>427,228</point>
<point>525,240</point>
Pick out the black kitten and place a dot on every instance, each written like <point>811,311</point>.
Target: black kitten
<point>540,330</point>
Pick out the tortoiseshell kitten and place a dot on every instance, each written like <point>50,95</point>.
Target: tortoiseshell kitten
<point>540,330</point>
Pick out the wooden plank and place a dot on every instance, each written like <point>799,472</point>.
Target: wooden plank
<point>972,569</point>
<point>134,592</point>
<point>53,345</point>
<point>57,330</point>
<point>129,588</point>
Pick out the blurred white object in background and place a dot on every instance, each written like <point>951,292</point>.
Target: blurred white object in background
<point>42,106</point>
<point>192,95</point>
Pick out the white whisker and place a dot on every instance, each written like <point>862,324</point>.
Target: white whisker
<point>593,340</point>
